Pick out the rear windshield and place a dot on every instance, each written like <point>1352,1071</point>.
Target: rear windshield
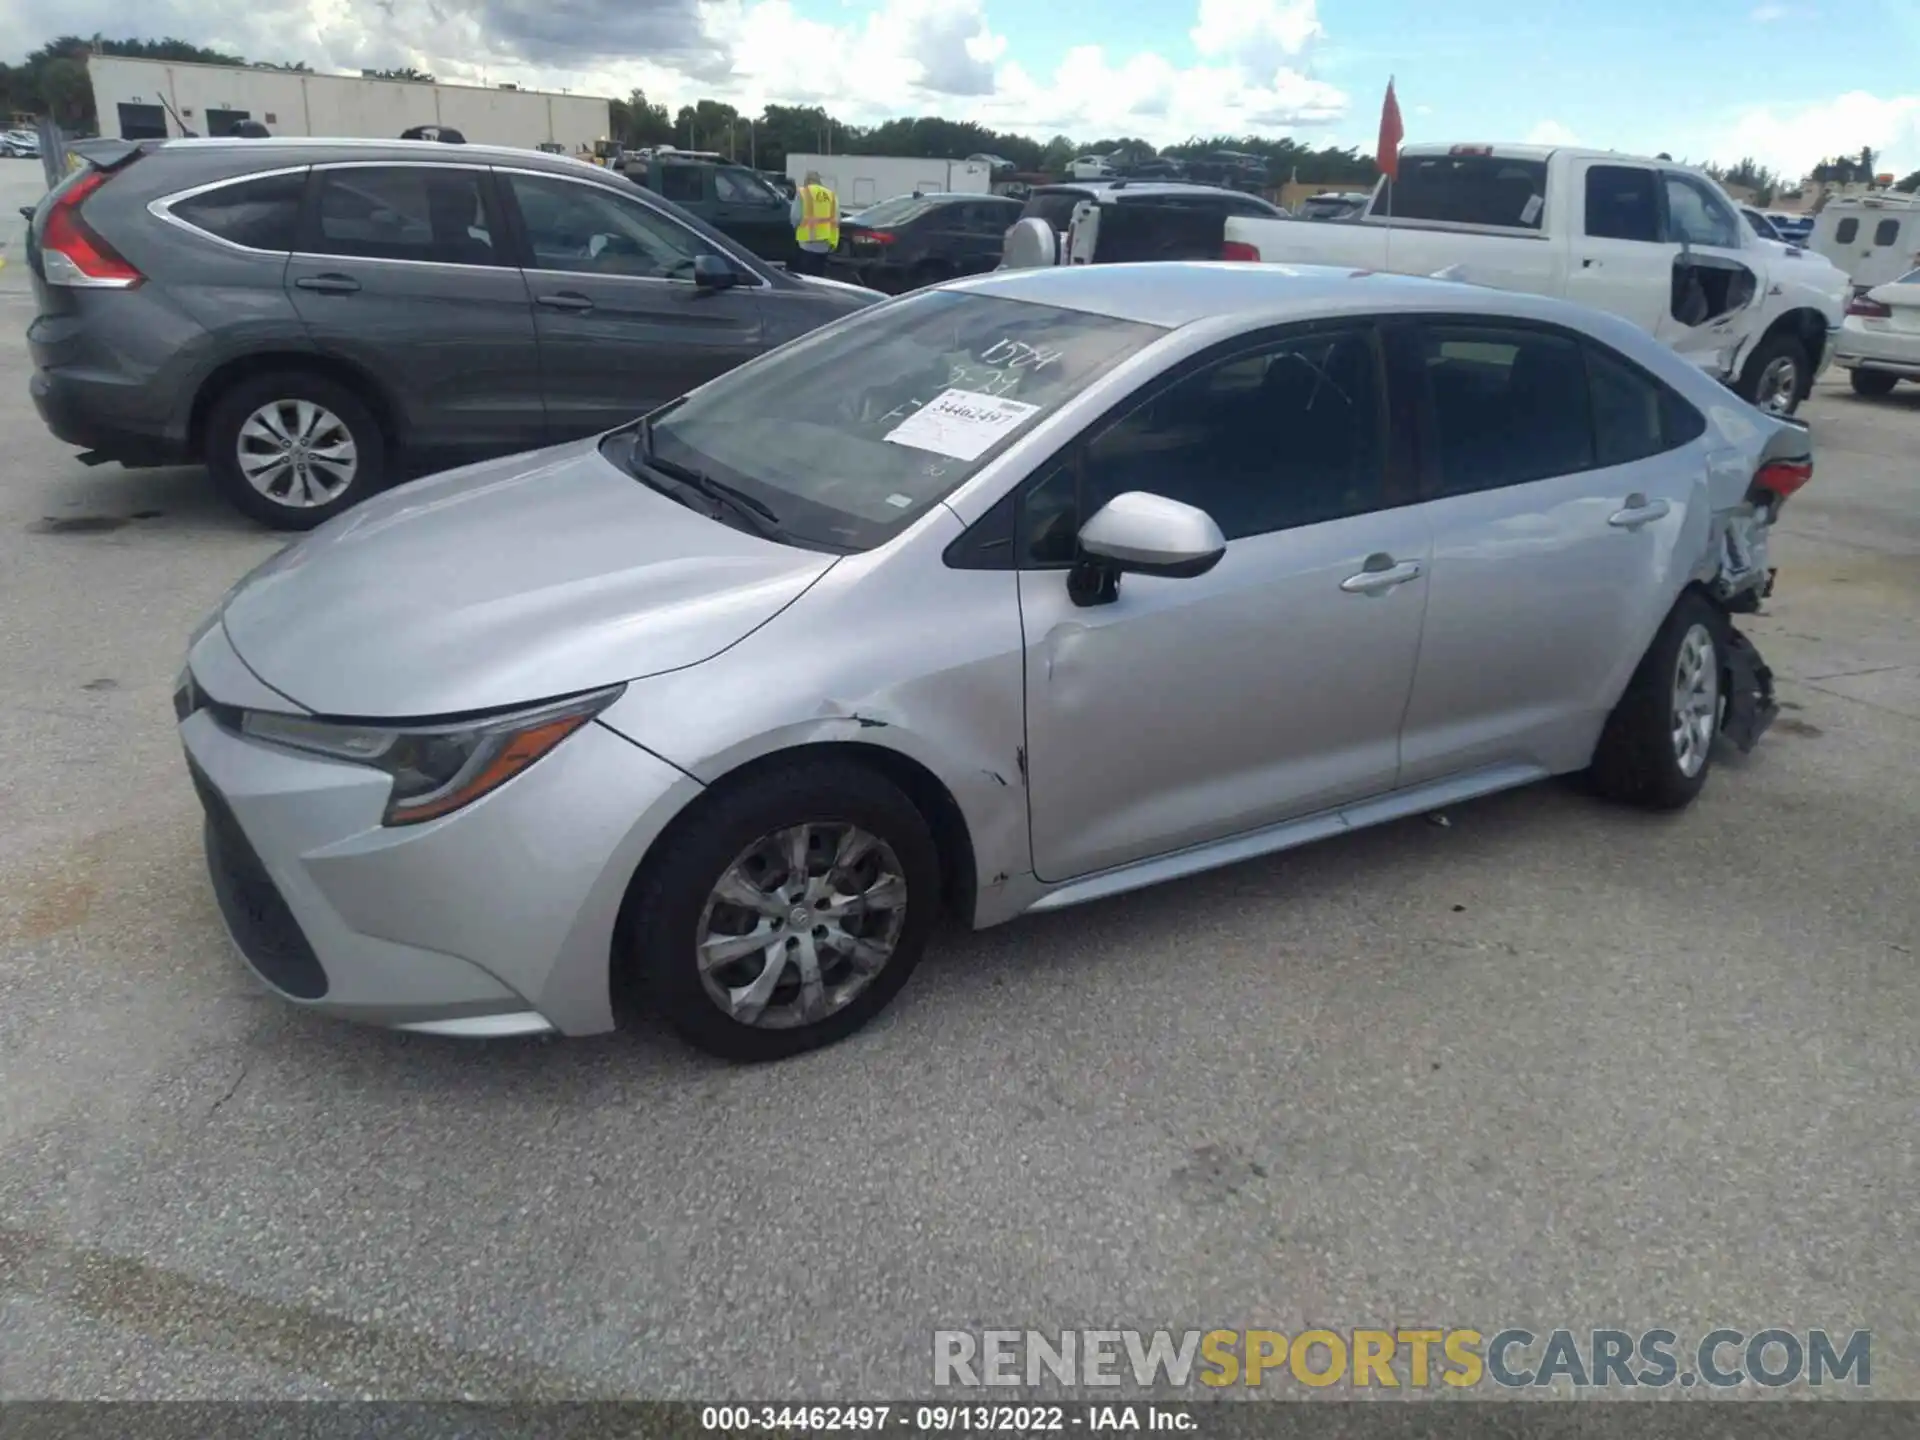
<point>897,211</point>
<point>851,434</point>
<point>1468,190</point>
<point>1053,206</point>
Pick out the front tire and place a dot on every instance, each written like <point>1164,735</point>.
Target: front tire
<point>293,449</point>
<point>788,911</point>
<point>1777,375</point>
<point>1656,748</point>
<point>1872,382</point>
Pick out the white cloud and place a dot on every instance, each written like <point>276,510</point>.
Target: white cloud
<point>1551,132</point>
<point>1768,14</point>
<point>1793,139</point>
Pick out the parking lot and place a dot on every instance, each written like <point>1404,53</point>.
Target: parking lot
<point>1548,1063</point>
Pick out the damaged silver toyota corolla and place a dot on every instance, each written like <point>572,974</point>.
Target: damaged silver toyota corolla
<point>1006,595</point>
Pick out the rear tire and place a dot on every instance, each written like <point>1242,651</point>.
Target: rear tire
<point>1656,749</point>
<point>1872,382</point>
<point>293,449</point>
<point>726,875</point>
<point>1777,375</point>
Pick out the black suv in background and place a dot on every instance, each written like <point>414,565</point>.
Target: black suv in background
<point>914,240</point>
<point>304,314</point>
<point>738,202</point>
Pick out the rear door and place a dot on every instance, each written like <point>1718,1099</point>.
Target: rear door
<point>1558,476</point>
<point>622,326</point>
<point>403,271</point>
<point>1618,259</point>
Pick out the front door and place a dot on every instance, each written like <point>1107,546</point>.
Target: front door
<point>1558,505</point>
<point>1716,283</point>
<point>1185,711</point>
<point>622,326</point>
<point>403,271</point>
<point>746,208</point>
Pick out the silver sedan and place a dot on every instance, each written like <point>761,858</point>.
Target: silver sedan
<point>1003,596</point>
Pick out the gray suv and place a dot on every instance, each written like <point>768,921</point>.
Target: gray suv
<point>307,315</point>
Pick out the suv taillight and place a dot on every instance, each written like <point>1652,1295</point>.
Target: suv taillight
<point>1781,478</point>
<point>1239,250</point>
<point>71,253</point>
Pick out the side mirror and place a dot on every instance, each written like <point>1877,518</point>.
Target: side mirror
<point>1139,533</point>
<point>710,272</point>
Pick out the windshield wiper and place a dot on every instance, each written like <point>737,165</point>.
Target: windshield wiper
<point>755,513</point>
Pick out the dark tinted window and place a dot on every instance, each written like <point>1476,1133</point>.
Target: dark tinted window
<point>1846,230</point>
<point>683,184</point>
<point>1288,435</point>
<point>1886,232</point>
<point>1508,406</point>
<point>990,219</point>
<point>404,212</point>
<point>1053,206</point>
<point>743,187</point>
<point>1622,203</point>
<point>590,229</point>
<point>1469,190</point>
<point>261,214</point>
<point>1629,416</point>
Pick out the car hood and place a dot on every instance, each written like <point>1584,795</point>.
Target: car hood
<point>504,583</point>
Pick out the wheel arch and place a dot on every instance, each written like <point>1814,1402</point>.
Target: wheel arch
<point>231,372</point>
<point>1803,323</point>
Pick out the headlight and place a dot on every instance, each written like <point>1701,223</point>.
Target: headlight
<point>436,769</point>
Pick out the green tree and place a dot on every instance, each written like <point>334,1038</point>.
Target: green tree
<point>637,121</point>
<point>1909,184</point>
<point>400,72</point>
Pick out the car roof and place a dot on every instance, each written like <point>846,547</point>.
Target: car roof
<point>1171,294</point>
<point>1138,187</point>
<point>307,146</point>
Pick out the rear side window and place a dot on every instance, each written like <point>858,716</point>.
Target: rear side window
<point>1508,406</point>
<point>1846,230</point>
<point>1054,206</point>
<point>1622,203</point>
<point>1629,409</point>
<point>432,213</point>
<point>1886,232</point>
<point>262,214</point>
<point>1468,190</point>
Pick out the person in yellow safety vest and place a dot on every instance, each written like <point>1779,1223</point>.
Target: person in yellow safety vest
<point>816,224</point>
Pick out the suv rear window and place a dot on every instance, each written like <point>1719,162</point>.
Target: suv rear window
<point>261,214</point>
<point>1468,190</point>
<point>1054,206</point>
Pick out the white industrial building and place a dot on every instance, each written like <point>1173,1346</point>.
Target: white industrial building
<point>153,99</point>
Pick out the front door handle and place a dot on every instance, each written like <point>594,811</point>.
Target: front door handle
<point>1639,511</point>
<point>571,301</point>
<point>1381,574</point>
<point>328,284</point>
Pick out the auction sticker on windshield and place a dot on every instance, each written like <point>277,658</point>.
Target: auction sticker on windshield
<point>963,424</point>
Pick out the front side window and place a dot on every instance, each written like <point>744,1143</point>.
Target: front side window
<point>1697,216</point>
<point>590,230</point>
<point>1508,406</point>
<point>1287,435</point>
<point>850,435</point>
<point>1622,203</point>
<point>404,212</point>
<point>261,214</point>
<point>740,187</point>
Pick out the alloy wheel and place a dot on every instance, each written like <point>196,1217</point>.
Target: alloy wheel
<point>297,453</point>
<point>1779,387</point>
<point>800,924</point>
<point>1696,699</point>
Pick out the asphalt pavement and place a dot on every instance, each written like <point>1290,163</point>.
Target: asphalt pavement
<point>1548,1064</point>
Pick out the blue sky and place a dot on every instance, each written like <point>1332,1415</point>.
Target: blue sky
<point>1785,81</point>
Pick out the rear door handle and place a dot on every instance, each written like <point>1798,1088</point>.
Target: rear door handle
<point>1640,511</point>
<point>571,301</point>
<point>1381,574</point>
<point>328,284</point>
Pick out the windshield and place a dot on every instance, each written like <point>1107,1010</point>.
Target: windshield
<point>897,211</point>
<point>850,435</point>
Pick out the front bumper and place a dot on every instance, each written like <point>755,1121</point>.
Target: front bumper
<point>497,919</point>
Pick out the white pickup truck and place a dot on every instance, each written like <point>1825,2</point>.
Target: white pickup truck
<point>1649,240</point>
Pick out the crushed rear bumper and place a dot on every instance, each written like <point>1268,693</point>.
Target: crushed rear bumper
<point>1751,706</point>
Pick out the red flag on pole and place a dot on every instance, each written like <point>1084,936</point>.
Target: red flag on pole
<point>1391,134</point>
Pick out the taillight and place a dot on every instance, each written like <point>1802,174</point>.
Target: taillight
<point>1780,478</point>
<point>1868,308</point>
<point>879,237</point>
<point>1239,250</point>
<point>72,254</point>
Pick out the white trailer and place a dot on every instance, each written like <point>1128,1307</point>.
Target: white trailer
<point>861,180</point>
<point>153,99</point>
